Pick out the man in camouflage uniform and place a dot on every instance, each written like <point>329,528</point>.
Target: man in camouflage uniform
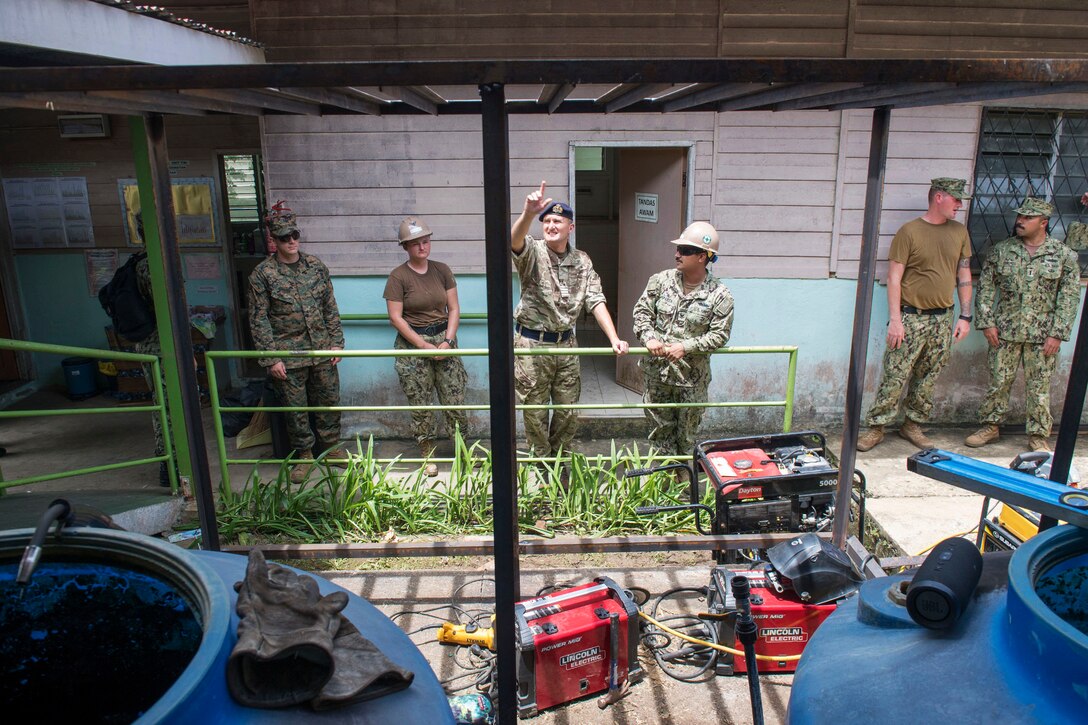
<point>292,307</point>
<point>684,314</point>
<point>1076,234</point>
<point>151,345</point>
<point>1038,279</point>
<point>930,257</point>
<point>557,284</point>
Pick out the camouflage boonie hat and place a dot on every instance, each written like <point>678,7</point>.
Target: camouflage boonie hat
<point>955,187</point>
<point>1035,207</point>
<point>281,221</point>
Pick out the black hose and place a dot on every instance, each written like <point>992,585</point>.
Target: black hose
<point>746,632</point>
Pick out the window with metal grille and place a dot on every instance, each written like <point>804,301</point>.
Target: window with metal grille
<point>1028,152</point>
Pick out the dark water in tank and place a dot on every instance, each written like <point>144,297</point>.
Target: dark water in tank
<point>90,643</point>
<point>1066,593</point>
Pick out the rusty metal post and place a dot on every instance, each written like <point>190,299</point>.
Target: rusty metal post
<point>179,318</point>
<point>863,313</point>
<point>500,339</point>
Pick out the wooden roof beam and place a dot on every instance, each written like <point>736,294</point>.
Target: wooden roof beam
<point>335,98</point>
<point>968,93</point>
<point>782,93</point>
<point>636,94</point>
<point>173,99</point>
<point>259,99</point>
<point>712,95</point>
<point>864,93</point>
<point>80,101</point>
<point>553,95</point>
<point>411,96</point>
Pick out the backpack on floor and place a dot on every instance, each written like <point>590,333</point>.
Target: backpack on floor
<point>132,315</point>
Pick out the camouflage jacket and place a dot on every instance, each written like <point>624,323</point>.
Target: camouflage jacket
<point>1036,296</point>
<point>1076,236</point>
<point>293,309</point>
<point>554,290</point>
<point>150,345</point>
<point>702,321</point>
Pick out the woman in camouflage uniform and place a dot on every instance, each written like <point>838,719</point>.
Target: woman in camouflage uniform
<point>421,297</point>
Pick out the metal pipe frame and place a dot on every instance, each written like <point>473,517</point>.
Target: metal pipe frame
<point>179,320</point>
<point>500,310</point>
<point>863,313</point>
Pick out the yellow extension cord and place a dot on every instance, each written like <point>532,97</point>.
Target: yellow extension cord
<point>722,647</point>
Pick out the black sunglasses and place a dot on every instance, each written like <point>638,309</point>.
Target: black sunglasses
<point>285,237</point>
<point>686,251</point>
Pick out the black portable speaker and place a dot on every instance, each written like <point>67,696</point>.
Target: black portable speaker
<point>943,586</point>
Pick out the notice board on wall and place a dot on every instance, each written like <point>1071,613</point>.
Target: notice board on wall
<point>195,211</point>
<point>51,212</point>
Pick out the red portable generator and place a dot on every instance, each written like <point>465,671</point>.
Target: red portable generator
<point>563,644</point>
<point>785,622</point>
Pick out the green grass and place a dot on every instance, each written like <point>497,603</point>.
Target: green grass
<point>365,500</point>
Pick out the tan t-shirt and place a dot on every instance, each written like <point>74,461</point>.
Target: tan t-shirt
<point>423,295</point>
<point>930,254</point>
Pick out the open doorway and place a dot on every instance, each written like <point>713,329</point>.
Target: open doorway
<point>243,188</point>
<point>629,201</point>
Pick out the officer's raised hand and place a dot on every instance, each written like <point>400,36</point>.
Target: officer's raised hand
<point>535,202</point>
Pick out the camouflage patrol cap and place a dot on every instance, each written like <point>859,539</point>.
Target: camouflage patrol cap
<point>956,188</point>
<point>281,221</point>
<point>1035,207</point>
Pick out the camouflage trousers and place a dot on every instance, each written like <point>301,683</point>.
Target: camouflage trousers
<point>151,347</point>
<point>421,378</point>
<point>674,428</point>
<point>1004,362</point>
<point>916,363</point>
<point>540,379</point>
<point>312,385</point>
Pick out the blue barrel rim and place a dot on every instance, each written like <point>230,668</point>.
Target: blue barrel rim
<point>198,583</point>
<point>1032,560</point>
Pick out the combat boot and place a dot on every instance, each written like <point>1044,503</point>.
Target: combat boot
<point>300,471</point>
<point>426,449</point>
<point>912,432</point>
<point>870,438</point>
<point>335,455</point>
<point>982,436</point>
<point>1039,443</point>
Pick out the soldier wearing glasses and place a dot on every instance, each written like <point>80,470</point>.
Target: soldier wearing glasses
<point>684,314</point>
<point>292,307</point>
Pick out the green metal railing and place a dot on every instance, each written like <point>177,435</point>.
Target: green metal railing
<point>225,462</point>
<point>157,408</point>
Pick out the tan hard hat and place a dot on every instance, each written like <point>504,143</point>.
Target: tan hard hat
<point>412,228</point>
<point>701,235</point>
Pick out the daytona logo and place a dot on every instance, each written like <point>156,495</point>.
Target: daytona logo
<point>750,492</point>
<point>575,657</point>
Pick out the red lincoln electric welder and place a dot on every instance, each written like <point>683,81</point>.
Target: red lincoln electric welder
<point>564,644</point>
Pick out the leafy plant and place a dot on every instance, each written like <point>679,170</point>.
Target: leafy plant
<point>575,495</point>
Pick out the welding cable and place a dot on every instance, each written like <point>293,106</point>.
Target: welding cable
<point>962,534</point>
<point>712,645</point>
<point>657,650</point>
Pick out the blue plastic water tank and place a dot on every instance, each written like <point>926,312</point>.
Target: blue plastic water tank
<point>1010,658</point>
<point>79,377</point>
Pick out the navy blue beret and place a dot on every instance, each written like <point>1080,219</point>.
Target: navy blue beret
<point>560,209</point>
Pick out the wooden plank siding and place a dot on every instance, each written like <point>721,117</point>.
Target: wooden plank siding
<point>923,143</point>
<point>970,28</point>
<point>326,30</point>
<point>775,191</point>
<point>352,179</point>
<point>800,28</point>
